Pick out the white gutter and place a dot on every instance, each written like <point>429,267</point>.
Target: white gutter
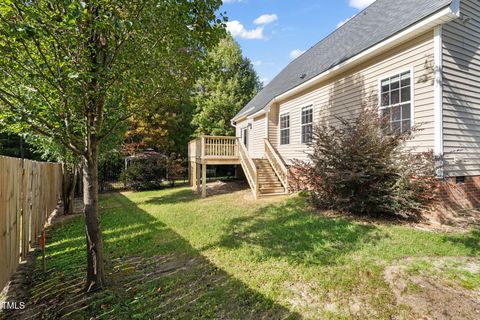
<point>443,16</point>
<point>242,116</point>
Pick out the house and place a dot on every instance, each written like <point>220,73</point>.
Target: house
<point>418,60</point>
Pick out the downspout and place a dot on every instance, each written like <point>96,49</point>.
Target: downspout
<point>438,101</point>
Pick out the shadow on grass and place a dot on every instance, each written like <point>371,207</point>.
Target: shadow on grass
<point>152,271</point>
<point>174,197</point>
<point>213,189</point>
<point>470,241</point>
<point>288,231</point>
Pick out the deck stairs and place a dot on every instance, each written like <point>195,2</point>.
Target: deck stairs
<point>268,181</point>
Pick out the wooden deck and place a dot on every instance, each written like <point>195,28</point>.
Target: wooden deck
<point>267,176</point>
<point>214,150</point>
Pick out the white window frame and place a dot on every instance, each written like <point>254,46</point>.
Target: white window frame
<point>301,124</point>
<point>280,128</point>
<point>412,92</point>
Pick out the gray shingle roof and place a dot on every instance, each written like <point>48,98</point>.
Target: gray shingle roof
<point>379,21</point>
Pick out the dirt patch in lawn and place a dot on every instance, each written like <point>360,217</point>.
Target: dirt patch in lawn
<point>424,285</point>
<point>224,187</point>
<point>452,220</point>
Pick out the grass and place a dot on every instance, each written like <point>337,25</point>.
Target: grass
<point>172,255</point>
<point>453,272</point>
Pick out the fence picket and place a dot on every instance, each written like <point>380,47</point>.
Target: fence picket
<point>29,193</point>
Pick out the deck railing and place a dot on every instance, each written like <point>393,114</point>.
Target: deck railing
<point>225,147</point>
<point>277,163</point>
<point>249,168</point>
<point>213,147</point>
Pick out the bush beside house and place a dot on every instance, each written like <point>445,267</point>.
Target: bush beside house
<point>361,166</point>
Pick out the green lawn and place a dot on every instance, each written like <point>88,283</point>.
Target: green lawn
<point>172,255</point>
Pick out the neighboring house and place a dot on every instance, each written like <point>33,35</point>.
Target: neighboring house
<point>419,60</point>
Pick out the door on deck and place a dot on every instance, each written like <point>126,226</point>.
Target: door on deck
<point>245,137</point>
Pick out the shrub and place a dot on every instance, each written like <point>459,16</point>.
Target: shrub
<point>145,174</point>
<point>153,172</point>
<point>175,168</point>
<point>361,167</point>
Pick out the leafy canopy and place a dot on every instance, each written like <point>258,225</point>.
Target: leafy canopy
<point>229,85</point>
<point>73,70</point>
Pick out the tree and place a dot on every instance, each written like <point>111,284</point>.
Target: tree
<point>230,84</point>
<point>167,130</point>
<point>75,71</point>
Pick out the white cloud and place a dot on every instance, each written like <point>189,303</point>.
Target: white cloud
<point>341,23</point>
<point>265,81</point>
<point>231,1</point>
<point>266,19</point>
<point>360,4</point>
<point>294,54</point>
<point>238,31</point>
<point>257,62</point>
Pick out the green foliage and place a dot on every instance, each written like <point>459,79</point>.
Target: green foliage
<point>13,145</point>
<point>229,85</point>
<point>149,173</point>
<point>168,131</point>
<point>145,174</point>
<point>176,166</point>
<point>74,71</point>
<point>357,166</point>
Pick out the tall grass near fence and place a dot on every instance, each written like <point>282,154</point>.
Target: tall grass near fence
<point>29,193</point>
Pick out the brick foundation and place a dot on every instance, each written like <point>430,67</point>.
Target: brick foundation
<point>452,195</point>
<point>457,195</point>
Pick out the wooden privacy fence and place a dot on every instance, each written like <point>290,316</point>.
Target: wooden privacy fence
<point>29,193</point>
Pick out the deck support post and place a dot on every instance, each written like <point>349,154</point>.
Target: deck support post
<point>192,175</point>
<point>204,180</point>
<point>197,165</point>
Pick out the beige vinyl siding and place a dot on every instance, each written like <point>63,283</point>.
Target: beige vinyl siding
<point>238,132</point>
<point>273,123</point>
<point>258,136</point>
<point>345,94</point>
<point>461,92</point>
<point>238,128</point>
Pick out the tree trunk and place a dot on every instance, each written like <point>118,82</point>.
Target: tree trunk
<point>95,268</point>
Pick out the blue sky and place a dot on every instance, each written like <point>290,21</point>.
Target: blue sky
<point>273,32</point>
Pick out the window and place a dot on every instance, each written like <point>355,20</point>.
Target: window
<point>307,124</point>
<point>396,104</point>
<point>285,129</point>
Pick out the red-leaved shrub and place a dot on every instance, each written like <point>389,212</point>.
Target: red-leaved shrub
<point>359,166</point>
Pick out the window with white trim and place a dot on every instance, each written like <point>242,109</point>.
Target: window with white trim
<point>285,129</point>
<point>307,124</point>
<point>396,102</point>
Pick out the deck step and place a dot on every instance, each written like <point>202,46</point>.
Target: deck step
<point>269,183</point>
<point>265,195</point>
<point>271,190</point>
<point>266,174</point>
